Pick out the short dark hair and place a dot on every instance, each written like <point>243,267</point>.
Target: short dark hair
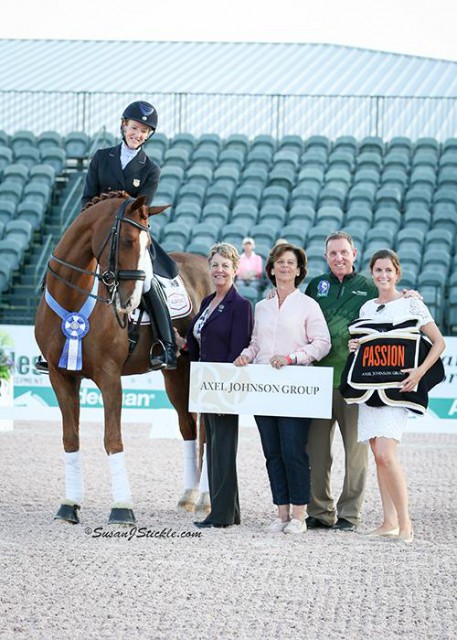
<point>278,251</point>
<point>339,235</point>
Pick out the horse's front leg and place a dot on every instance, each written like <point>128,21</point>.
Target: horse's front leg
<point>122,506</point>
<point>67,389</point>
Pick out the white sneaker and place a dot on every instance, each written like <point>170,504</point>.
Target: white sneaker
<point>277,526</point>
<point>295,526</point>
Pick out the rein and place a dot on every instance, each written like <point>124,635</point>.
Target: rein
<point>112,276</point>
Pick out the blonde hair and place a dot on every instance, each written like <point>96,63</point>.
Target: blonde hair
<point>226,250</point>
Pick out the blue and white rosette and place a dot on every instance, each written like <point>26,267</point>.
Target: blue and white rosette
<point>74,327</point>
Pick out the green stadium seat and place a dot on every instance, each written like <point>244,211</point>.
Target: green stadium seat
<point>166,193</point>
<point>448,160</point>
<point>6,158</point>
<point>255,175</point>
<point>425,158</point>
<point>451,317</point>
<point>402,144</point>
<point>264,233</point>
<point>316,258</point>
<point>37,192</point>
<point>282,176</point>
<point>361,217</point>
<point>346,143</point>
<point>336,178</point>
<point>219,194</point>
<point>387,217</point>
<point>273,214</point>
<point>302,214</point>
<point>22,139</point>
<point>206,156</point>
<point>450,145</point>
<point>172,174</point>
<point>102,140</point>
<point>444,216</point>
<point>76,145</point>
<point>248,194</point>
<point>7,209</point>
<point>317,236</point>
<point>250,293</point>
<point>207,232</point>
<point>6,274</point>
<point>29,156</point>
<point>295,234</point>
<point>264,141</point>
<point>244,214</point>
<point>304,194</point>
<point>293,143</point>
<point>192,193</point>
<point>275,195</point>
<point>408,278</point>
<point>55,157</point>
<point>447,177</point>
<point>445,195</point>
<point>418,196</point>
<point>188,211</point>
<point>430,144</point>
<point>232,158</point>
<point>156,224</point>
<point>259,157</point>
<point>367,179</point>
<point>228,175</point>
<point>43,173</point>
<point>341,160</point>
<point>185,141</point>
<point>411,258</point>
<point>18,173</point>
<point>237,142</point>
<point>20,231</point>
<point>372,144</point>
<point>176,232</point>
<point>314,157</point>
<point>210,141</point>
<point>173,244</point>
<point>311,175</point>
<point>155,154</point>
<point>11,252</point>
<point>234,233</point>
<point>331,217</point>
<point>360,195</point>
<point>411,238</point>
<point>10,192</point>
<point>423,176</point>
<point>177,157</point>
<point>286,158</point>
<point>388,197</point>
<point>48,139</point>
<point>318,142</point>
<point>396,159</point>
<point>394,178</point>
<point>440,239</point>
<point>436,259</point>
<point>331,197</point>
<point>218,212</point>
<point>4,138</point>
<point>369,160</point>
<point>417,217</point>
<point>199,248</point>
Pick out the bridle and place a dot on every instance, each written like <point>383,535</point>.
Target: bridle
<point>112,276</point>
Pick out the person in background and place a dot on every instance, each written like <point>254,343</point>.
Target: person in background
<point>127,167</point>
<point>289,330</point>
<point>250,269</point>
<point>382,426</point>
<point>219,331</point>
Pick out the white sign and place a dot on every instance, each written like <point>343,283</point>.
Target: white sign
<point>259,389</point>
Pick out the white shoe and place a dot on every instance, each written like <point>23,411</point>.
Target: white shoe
<point>383,533</point>
<point>277,526</point>
<point>295,526</point>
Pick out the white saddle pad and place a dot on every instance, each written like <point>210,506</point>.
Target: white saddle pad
<point>178,301</point>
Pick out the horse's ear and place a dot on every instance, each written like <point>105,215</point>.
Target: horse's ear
<point>139,202</point>
<point>153,211</point>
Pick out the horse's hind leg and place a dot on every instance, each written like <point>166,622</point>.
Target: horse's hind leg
<point>67,391</point>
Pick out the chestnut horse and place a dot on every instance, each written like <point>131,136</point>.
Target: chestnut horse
<point>94,280</point>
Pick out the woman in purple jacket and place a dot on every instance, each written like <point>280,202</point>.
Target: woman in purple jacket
<point>221,329</point>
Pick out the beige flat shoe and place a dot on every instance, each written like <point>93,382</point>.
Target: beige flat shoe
<point>405,539</point>
<point>388,533</point>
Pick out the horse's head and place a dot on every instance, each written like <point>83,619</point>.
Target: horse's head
<point>122,252</point>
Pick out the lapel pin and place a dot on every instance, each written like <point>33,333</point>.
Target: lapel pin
<point>136,182</point>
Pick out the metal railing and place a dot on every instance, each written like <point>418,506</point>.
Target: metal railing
<point>251,114</point>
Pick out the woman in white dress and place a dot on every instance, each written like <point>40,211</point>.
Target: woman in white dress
<point>382,426</point>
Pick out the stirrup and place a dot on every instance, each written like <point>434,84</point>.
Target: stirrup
<point>41,365</point>
<point>163,360</point>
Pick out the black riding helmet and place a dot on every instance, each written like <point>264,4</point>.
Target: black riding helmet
<point>143,112</point>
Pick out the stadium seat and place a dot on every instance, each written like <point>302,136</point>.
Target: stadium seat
<point>321,143</point>
<point>331,217</point>
<point>76,145</point>
<point>4,138</point>
<point>317,236</point>
<point>418,196</point>
<point>343,160</point>
<point>6,273</point>
<point>295,234</point>
<point>425,158</point>
<point>447,177</point>
<point>210,141</point>
<point>6,158</point>
<point>360,195</point>
<point>411,237</point>
<point>264,141</point>
<point>314,157</point>
<point>244,214</point>
<point>275,195</point>
<point>7,209</point>
<point>448,160</point>
<point>156,224</point>
<point>199,248</point>
<point>316,258</point>
<point>217,212</point>
<point>173,175</point>
<point>28,156</point>
<point>423,176</point>
<point>205,156</point>
<point>155,153</point>
<point>22,139</point>
<point>411,258</point>
<point>20,231</point>
<point>394,178</point>
<point>219,194</point>
<point>184,141</point>
<point>166,193</point>
<point>367,178</point>
<point>372,144</point>
<point>55,157</point>
<point>384,235</point>
<point>176,232</point>
<point>37,192</point>
<point>446,195</point>
<point>408,278</point>
<point>361,217</point>
<point>388,196</point>
<point>346,143</point>
<point>207,232</point>
<point>396,160</point>
<point>16,172</point>
<point>102,139</point>
<point>331,197</point>
<point>11,252</point>
<point>173,244</point>
<point>48,139</point>
<point>259,157</point>
<point>444,216</point>
<point>304,194</point>
<point>235,232</point>
<point>237,142</point>
<point>418,218</point>
<point>273,214</point>
<point>311,175</point>
<point>286,158</point>
<point>186,210</point>
<point>292,143</point>
<point>436,259</point>
<point>10,192</point>
<point>177,157</point>
<point>248,194</point>
<point>441,240</point>
<point>191,193</point>
<point>401,144</point>
<point>301,213</point>
<point>264,233</point>
<point>250,293</point>
<point>227,175</point>
<point>255,175</point>
<point>429,144</point>
<point>43,173</point>
<point>232,158</point>
<point>369,160</point>
<point>387,217</point>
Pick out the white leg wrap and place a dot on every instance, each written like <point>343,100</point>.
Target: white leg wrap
<point>190,464</point>
<point>204,485</point>
<point>119,481</point>
<point>74,487</point>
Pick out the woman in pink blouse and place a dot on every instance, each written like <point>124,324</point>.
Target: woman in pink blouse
<point>289,330</point>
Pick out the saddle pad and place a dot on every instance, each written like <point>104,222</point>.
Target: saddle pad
<point>178,301</point>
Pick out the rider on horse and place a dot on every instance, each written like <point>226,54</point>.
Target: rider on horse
<point>127,167</point>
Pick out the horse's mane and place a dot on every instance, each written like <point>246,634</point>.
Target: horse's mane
<point>106,196</point>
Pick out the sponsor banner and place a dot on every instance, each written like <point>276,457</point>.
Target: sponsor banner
<point>258,389</point>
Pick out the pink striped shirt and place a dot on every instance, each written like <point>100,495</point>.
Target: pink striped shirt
<point>297,328</point>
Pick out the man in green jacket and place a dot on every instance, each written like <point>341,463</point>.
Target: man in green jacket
<point>340,295</point>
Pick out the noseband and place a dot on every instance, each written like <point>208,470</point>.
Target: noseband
<point>112,276</point>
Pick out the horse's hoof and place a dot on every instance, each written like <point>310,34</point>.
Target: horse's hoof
<point>203,504</point>
<point>188,499</point>
<point>121,515</point>
<point>68,513</point>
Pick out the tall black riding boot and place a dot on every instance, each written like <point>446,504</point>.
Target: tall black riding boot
<point>162,329</point>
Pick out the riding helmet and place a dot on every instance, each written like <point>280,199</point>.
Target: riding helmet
<point>143,112</point>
